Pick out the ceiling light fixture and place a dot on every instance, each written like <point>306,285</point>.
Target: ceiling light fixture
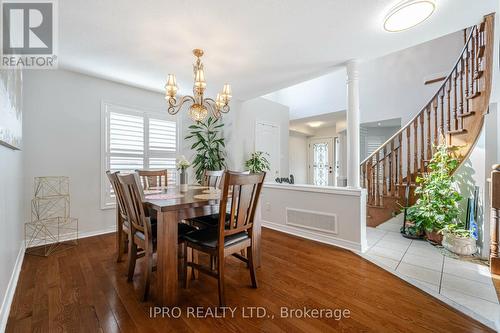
<point>408,14</point>
<point>315,124</point>
<point>199,104</point>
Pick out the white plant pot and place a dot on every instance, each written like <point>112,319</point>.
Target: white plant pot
<point>459,245</point>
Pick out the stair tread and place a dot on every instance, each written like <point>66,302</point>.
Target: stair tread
<point>466,114</point>
<point>476,94</point>
<point>457,131</point>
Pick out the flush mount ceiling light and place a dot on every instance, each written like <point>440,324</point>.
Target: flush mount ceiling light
<point>408,14</point>
<point>315,124</point>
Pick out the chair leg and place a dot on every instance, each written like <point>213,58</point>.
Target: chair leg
<point>187,270</point>
<point>220,276</point>
<point>251,264</point>
<point>194,259</point>
<point>132,258</point>
<point>212,263</point>
<point>244,254</point>
<point>149,271</point>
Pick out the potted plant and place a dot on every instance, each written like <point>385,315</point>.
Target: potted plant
<point>438,200</point>
<point>182,165</point>
<point>209,146</point>
<point>257,162</point>
<point>458,240</point>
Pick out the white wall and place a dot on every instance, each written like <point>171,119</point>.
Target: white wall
<point>297,145</point>
<point>62,121</point>
<point>347,205</point>
<point>12,222</point>
<point>245,116</point>
<point>392,86</point>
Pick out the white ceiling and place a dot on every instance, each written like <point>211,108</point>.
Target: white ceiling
<point>324,121</point>
<point>257,46</point>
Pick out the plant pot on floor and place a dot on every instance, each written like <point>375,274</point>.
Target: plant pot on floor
<point>465,246</point>
<point>409,230</point>
<point>434,237</point>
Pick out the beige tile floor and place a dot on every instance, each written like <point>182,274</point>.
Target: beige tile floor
<point>467,285</point>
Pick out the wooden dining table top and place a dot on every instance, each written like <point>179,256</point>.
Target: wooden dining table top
<point>171,198</point>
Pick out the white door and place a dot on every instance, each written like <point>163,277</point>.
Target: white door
<point>321,162</point>
<point>267,139</point>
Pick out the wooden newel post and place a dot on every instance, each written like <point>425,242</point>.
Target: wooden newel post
<point>495,220</point>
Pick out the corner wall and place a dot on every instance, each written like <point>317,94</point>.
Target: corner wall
<point>62,137</point>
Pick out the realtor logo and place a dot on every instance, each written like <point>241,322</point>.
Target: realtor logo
<point>29,34</point>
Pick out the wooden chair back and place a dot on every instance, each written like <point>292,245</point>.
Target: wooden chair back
<point>153,178</point>
<point>120,200</point>
<point>133,204</point>
<point>244,197</point>
<point>212,178</point>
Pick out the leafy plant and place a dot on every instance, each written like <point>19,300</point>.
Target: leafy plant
<point>457,229</point>
<point>257,162</point>
<point>438,204</point>
<point>209,146</point>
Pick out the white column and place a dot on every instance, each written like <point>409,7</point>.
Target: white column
<point>352,124</point>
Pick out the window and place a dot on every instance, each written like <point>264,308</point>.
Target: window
<point>136,139</point>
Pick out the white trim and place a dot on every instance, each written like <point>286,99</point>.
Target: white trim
<point>355,192</point>
<point>300,226</point>
<point>11,289</point>
<point>311,235</point>
<point>72,235</point>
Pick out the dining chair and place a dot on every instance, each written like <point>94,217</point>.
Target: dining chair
<point>122,221</point>
<point>142,231</point>
<point>212,178</point>
<point>153,178</point>
<point>212,220</point>
<point>234,231</point>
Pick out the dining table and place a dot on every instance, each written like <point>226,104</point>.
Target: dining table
<point>172,206</point>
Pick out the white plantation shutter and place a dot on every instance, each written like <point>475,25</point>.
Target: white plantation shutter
<point>135,139</point>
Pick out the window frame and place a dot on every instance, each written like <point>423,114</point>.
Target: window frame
<point>146,113</point>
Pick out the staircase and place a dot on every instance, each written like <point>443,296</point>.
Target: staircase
<point>455,114</point>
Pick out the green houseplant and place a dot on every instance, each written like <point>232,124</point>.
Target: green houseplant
<point>438,201</point>
<point>257,162</point>
<point>209,146</point>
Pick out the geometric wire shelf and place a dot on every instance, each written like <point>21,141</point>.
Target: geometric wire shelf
<point>51,228</point>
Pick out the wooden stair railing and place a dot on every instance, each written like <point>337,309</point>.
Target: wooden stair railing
<point>455,114</point>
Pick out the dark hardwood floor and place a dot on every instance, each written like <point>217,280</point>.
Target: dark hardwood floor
<point>84,290</point>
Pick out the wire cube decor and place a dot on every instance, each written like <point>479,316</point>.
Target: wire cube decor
<point>51,227</point>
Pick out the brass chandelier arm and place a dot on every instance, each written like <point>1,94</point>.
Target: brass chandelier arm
<point>174,108</point>
<point>213,107</point>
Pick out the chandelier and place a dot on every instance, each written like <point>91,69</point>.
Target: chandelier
<point>200,105</point>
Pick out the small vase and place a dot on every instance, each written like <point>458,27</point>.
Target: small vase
<point>183,180</point>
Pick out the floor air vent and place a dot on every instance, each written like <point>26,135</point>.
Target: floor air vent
<point>312,220</point>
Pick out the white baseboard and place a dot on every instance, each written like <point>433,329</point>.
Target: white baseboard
<point>85,234</point>
<point>11,289</point>
<point>315,236</point>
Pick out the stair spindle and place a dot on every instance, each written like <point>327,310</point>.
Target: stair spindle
<point>384,168</point>
<point>429,138</point>
<point>377,180</point>
<point>467,59</point>
<point>415,145</point>
<point>400,163</point>
<point>393,159</point>
<point>473,66</point>
<point>441,96</point>
<point>461,103</point>
<point>435,105</point>
<point>455,99</point>
<point>408,152</point>
<point>476,73</point>
<point>448,108</point>
<point>422,143</point>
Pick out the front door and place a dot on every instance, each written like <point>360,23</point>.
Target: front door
<point>321,161</point>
